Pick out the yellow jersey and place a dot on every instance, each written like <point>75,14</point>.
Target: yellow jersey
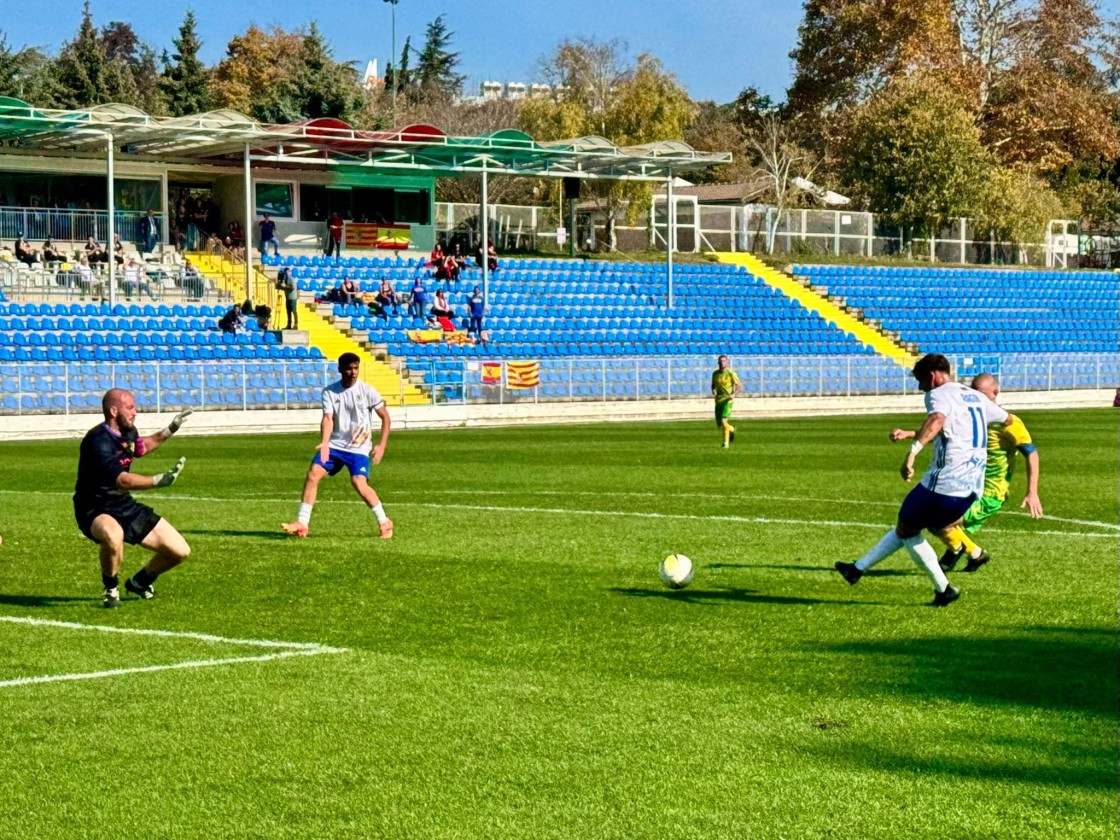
<point>1004,440</point>
<point>724,383</point>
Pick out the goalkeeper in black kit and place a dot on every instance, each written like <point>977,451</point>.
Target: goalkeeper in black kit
<point>103,503</point>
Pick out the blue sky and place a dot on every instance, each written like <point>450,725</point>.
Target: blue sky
<point>715,47</point>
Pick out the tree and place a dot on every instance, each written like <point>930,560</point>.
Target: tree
<point>254,75</point>
<point>600,95</point>
<point>24,73</point>
<point>913,153</point>
<point>80,69</point>
<point>1017,207</point>
<point>435,75</point>
<point>781,159</point>
<point>716,129</point>
<point>185,80</point>
<point>323,87</point>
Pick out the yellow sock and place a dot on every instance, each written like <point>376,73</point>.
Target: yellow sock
<point>726,434</point>
<point>954,539</point>
<point>971,548</point>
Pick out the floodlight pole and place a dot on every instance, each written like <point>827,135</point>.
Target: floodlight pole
<point>393,58</point>
<point>669,235</point>
<point>484,229</point>
<point>112,228</point>
<point>250,223</point>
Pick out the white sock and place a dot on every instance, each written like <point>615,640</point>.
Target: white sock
<point>976,552</point>
<point>304,513</point>
<point>379,512</point>
<point>887,546</point>
<point>926,559</point>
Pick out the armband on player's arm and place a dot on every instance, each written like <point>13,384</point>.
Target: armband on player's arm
<point>916,447</point>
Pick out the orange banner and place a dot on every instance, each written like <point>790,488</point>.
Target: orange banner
<point>523,374</point>
<point>359,235</point>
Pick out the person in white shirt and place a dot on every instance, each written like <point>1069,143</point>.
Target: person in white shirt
<point>346,441</point>
<point>957,422</point>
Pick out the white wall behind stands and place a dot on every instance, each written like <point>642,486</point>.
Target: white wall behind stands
<point>59,426</point>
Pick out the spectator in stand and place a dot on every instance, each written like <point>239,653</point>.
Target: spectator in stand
<point>440,307</point>
<point>85,274</point>
<point>348,291</point>
<point>459,260</point>
<point>419,298</point>
<point>334,236</point>
<point>1116,399</point>
<point>231,322</point>
<point>476,308</point>
<point>268,234</point>
<point>23,251</point>
<point>213,243</point>
<point>449,269</point>
<point>491,255</point>
<point>387,296</point>
<point>118,249</point>
<point>287,285</point>
<point>190,280</point>
<point>437,257</point>
<point>95,251</point>
<point>235,234</point>
<point>149,231</point>
<point>178,239</point>
<point>133,283</point>
<point>51,253</point>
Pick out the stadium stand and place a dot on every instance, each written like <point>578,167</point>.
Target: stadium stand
<point>982,311</point>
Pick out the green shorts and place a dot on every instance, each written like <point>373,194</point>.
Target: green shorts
<point>981,511</point>
<point>723,411</point>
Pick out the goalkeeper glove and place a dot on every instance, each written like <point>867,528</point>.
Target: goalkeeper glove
<point>166,479</point>
<point>177,422</point>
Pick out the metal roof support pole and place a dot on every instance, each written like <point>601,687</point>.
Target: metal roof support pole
<point>112,224</point>
<point>484,232</point>
<point>165,211</point>
<point>249,221</point>
<point>670,234</point>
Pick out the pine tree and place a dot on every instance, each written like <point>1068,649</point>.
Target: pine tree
<point>81,67</point>
<point>185,80</point>
<point>435,73</point>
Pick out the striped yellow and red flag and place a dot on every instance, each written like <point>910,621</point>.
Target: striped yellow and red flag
<point>523,374</point>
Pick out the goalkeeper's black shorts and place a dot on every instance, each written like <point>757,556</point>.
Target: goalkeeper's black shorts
<point>135,519</point>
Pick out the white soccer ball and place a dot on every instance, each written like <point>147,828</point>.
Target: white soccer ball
<point>676,571</point>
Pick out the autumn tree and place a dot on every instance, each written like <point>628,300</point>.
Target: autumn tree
<point>599,94</point>
<point>913,154</point>
<point>780,160</point>
<point>255,72</point>
<point>185,80</point>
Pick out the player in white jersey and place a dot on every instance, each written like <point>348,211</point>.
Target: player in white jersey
<point>346,441</point>
<point>957,420</point>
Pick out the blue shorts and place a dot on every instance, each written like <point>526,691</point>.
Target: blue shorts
<point>922,508</point>
<point>357,464</point>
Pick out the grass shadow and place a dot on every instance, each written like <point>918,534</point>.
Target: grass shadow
<point>805,568</point>
<point>229,532</point>
<point>40,600</point>
<point>730,595</point>
<point>1062,671</point>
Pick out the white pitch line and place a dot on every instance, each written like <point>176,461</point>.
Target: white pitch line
<point>199,663</point>
<point>714,517</point>
<point>176,634</point>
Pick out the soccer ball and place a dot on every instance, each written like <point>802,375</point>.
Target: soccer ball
<point>676,571</point>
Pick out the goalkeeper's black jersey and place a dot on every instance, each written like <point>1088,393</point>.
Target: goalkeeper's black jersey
<point>103,456</point>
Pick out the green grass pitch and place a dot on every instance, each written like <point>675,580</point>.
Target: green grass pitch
<point>514,668</point>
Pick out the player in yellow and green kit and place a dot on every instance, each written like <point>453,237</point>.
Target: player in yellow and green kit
<point>1004,441</point>
<point>725,385</point>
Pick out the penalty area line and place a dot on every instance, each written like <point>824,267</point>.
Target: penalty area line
<point>284,650</point>
<point>195,663</point>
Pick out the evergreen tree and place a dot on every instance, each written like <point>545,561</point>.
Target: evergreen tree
<point>321,86</point>
<point>435,73</point>
<point>80,70</point>
<point>185,80</point>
